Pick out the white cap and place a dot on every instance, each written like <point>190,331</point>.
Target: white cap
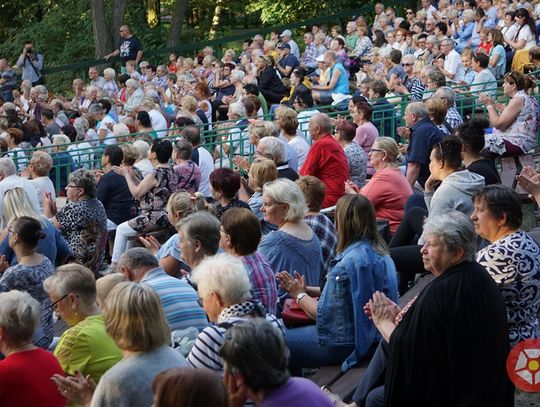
<point>320,58</point>
<point>286,33</point>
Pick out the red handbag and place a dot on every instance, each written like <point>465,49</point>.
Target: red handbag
<point>293,315</point>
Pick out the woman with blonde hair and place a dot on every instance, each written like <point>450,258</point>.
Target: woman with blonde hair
<point>188,107</point>
<point>438,108</point>
<point>85,347</point>
<point>388,189</point>
<point>180,205</point>
<point>54,246</point>
<point>134,318</point>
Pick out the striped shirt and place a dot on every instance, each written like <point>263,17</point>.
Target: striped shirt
<point>325,230</point>
<point>178,298</point>
<point>205,351</point>
<point>263,281</point>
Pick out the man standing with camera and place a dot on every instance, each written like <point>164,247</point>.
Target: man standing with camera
<point>31,63</point>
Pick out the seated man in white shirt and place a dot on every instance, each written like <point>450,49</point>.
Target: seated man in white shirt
<point>201,157</point>
<point>452,59</point>
<point>8,180</point>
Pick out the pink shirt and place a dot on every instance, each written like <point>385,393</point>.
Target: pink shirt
<point>366,135</point>
<point>388,191</point>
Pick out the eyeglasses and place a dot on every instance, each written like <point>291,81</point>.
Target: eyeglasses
<point>10,230</point>
<point>54,304</point>
<point>409,12</point>
<point>71,186</point>
<point>408,64</point>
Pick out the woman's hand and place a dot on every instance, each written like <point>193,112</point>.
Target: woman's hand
<point>351,188</point>
<point>151,243</point>
<point>121,170</point>
<point>486,99</point>
<point>293,286</point>
<point>381,308</point>
<point>240,162</point>
<point>236,389</point>
<point>78,389</point>
<point>430,184</point>
<point>49,205</point>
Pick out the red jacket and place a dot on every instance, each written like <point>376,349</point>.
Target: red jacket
<point>326,160</point>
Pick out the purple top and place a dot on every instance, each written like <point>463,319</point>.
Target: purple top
<point>263,280</point>
<point>297,392</point>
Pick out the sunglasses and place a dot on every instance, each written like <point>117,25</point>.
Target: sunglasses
<point>407,64</point>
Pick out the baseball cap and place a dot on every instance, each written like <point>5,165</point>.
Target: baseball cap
<point>286,33</point>
<point>283,45</point>
<point>320,58</point>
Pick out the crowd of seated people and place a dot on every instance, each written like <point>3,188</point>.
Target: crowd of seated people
<point>247,197</point>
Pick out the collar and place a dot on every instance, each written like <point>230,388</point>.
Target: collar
<point>419,123</point>
<point>152,273</point>
<point>282,166</point>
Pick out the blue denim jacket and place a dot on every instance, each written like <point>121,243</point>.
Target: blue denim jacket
<point>358,272</point>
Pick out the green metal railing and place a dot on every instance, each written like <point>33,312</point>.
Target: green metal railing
<point>225,133</point>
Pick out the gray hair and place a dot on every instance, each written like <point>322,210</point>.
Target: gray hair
<point>238,109</point>
<point>285,191</point>
<point>323,121</point>
<point>41,89</point>
<point>137,258</point>
<point>120,130</point>
<point>408,58</point>
<point>419,109</point>
<point>204,228</point>
<point>19,316</point>
<point>109,71</point>
<point>258,351</point>
<point>72,278</point>
<point>437,77</point>
<point>132,83</point>
<point>273,149</point>
<point>7,167</point>
<point>183,148</point>
<point>84,179</point>
<point>446,93</point>
<point>272,130</point>
<point>225,275</point>
<point>468,14</point>
<point>456,231</point>
<point>95,109</point>
<point>142,147</point>
<point>237,75</point>
<point>433,39</point>
<point>82,126</point>
<point>449,42</point>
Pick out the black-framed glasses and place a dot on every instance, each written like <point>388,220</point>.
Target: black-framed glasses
<point>54,304</point>
<point>200,302</point>
<point>11,230</point>
<point>72,186</point>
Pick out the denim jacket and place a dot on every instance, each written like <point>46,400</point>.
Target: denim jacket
<point>358,272</point>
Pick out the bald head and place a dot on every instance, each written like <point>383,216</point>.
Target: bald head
<point>319,125</point>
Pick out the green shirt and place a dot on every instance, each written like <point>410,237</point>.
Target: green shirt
<point>88,348</point>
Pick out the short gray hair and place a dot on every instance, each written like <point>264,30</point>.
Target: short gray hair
<point>7,166</point>
<point>225,275</point>
<point>183,148</point>
<point>19,316</point>
<point>258,351</point>
<point>285,191</point>
<point>72,278</point>
<point>456,231</point>
<point>419,109</point>
<point>446,93</point>
<point>237,75</point>
<point>142,147</point>
<point>323,121</point>
<point>433,39</point>
<point>238,109</point>
<point>273,149</point>
<point>137,258</point>
<point>95,109</point>
<point>132,83</point>
<point>84,179</point>
<point>204,228</point>
<point>109,71</point>
<point>82,126</point>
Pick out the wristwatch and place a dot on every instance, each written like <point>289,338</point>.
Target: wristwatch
<point>300,296</point>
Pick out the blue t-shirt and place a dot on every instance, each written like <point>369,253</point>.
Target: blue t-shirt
<point>424,135</point>
<point>342,85</point>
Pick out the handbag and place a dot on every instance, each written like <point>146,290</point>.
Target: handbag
<point>294,316</point>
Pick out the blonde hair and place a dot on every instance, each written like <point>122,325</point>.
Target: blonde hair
<point>17,204</point>
<point>134,318</point>
<point>437,108</point>
<point>288,119</point>
<point>189,103</point>
<point>262,170</point>
<point>182,204</point>
<point>258,128</point>
<point>131,154</point>
<point>42,163</point>
<point>391,149</point>
<point>105,284</point>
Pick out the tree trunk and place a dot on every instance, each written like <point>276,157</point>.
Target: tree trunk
<point>99,28</point>
<point>216,19</point>
<point>118,11</point>
<point>177,20</point>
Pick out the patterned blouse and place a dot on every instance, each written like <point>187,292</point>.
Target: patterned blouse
<point>357,158</point>
<point>153,204</point>
<point>514,264</point>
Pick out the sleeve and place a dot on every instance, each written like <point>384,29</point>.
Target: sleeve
<point>39,63</point>
<point>438,202</point>
<point>205,350</point>
<point>63,215</point>
<point>73,351</point>
<point>467,32</point>
<point>418,150</point>
<point>63,251</point>
<point>311,165</point>
<point>5,250</point>
<point>375,188</point>
<point>8,281</point>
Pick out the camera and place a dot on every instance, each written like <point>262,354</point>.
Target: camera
<point>29,51</point>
